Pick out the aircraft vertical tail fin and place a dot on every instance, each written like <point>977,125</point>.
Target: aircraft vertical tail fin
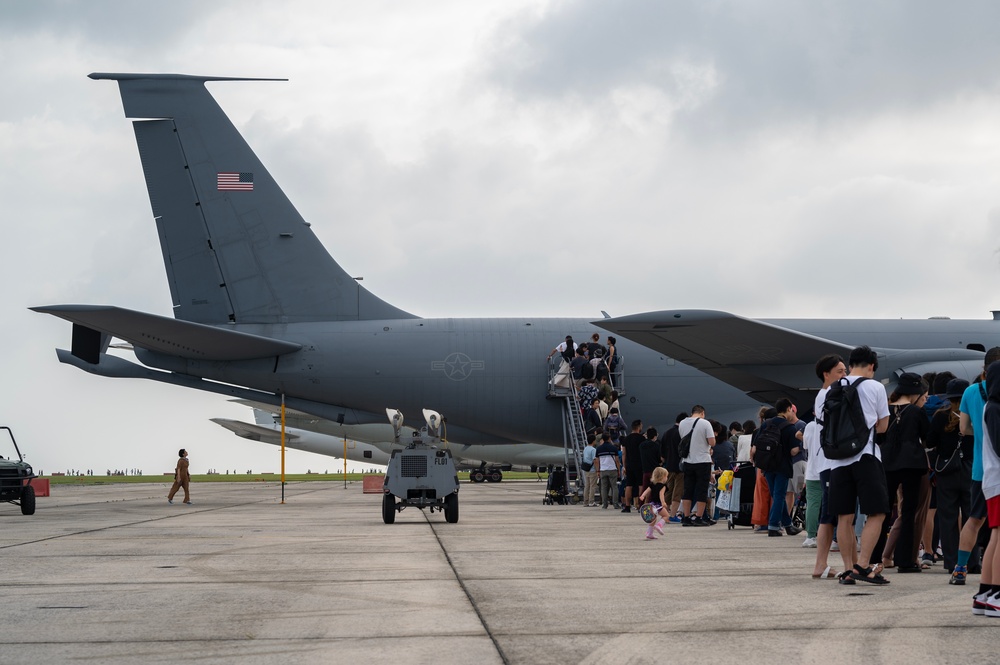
<point>234,247</point>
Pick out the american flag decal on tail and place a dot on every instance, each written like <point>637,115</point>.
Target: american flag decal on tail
<point>235,182</point>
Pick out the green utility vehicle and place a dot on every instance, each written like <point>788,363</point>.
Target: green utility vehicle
<point>15,475</point>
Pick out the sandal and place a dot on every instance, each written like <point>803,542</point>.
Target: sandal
<point>828,574</point>
<point>868,575</point>
<point>845,578</point>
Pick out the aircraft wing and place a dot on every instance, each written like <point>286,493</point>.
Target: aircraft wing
<point>253,432</point>
<point>175,337</point>
<point>764,360</point>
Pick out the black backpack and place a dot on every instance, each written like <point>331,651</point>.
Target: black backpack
<point>684,447</point>
<point>768,453</point>
<point>587,371</point>
<point>845,432</point>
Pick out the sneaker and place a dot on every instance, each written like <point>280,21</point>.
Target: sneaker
<point>627,509</point>
<point>687,521</point>
<point>793,530</point>
<point>649,534</point>
<point>809,542</point>
<point>928,560</point>
<point>773,532</point>
<point>605,506</point>
<point>709,521</point>
<point>170,501</point>
<point>187,503</point>
<point>697,521</point>
<point>979,603</point>
<point>958,576</point>
<point>675,520</point>
<point>659,527</point>
<point>835,547</point>
<point>992,604</point>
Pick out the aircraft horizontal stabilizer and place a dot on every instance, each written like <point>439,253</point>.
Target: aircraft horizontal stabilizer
<point>271,408</point>
<point>184,339</point>
<point>762,359</point>
<point>253,432</point>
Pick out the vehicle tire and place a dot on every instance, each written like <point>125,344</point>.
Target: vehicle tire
<point>494,477</point>
<point>451,508</point>
<point>477,476</point>
<point>28,500</point>
<point>388,508</point>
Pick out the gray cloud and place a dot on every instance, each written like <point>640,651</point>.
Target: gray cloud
<point>770,63</point>
<point>626,158</point>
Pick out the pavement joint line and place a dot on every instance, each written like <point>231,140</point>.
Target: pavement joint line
<point>150,520</point>
<point>241,640</point>
<point>465,590</point>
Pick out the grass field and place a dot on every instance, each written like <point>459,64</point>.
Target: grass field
<point>463,476</point>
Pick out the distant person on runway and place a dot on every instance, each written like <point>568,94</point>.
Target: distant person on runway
<point>182,478</point>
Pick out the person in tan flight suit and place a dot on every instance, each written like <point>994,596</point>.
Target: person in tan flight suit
<point>181,478</point>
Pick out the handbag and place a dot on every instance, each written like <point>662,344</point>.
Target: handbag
<point>586,466</point>
<point>951,465</point>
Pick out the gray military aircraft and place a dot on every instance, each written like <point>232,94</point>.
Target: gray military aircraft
<point>261,311</point>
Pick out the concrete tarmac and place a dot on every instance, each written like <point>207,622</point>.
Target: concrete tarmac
<point>113,574</point>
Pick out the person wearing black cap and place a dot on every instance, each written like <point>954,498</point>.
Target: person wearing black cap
<point>905,461</point>
<point>951,458</point>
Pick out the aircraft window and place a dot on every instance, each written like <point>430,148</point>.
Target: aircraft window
<point>976,347</point>
<point>368,454</point>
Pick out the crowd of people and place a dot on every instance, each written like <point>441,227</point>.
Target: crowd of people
<point>899,481</point>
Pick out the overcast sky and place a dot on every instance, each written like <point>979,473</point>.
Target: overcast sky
<point>779,159</point>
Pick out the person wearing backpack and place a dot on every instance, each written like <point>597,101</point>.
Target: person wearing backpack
<point>904,459</point>
<point>830,369</point>
<point>857,478</point>
<point>695,450</point>
<point>774,448</point>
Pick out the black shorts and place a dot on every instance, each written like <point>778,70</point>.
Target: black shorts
<point>696,479</point>
<point>862,483</point>
<point>978,510</point>
<point>824,506</point>
<point>633,477</point>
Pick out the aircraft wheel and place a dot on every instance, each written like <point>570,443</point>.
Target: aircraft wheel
<point>451,508</point>
<point>494,477</point>
<point>477,476</point>
<point>28,500</point>
<point>388,509</point>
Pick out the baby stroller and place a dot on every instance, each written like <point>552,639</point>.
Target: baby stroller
<point>799,510</point>
<point>556,491</point>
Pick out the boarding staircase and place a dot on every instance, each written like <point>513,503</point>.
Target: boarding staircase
<point>561,386</point>
<point>574,441</point>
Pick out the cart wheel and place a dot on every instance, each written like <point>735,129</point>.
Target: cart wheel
<point>388,509</point>
<point>451,508</point>
<point>28,500</point>
<point>477,476</point>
